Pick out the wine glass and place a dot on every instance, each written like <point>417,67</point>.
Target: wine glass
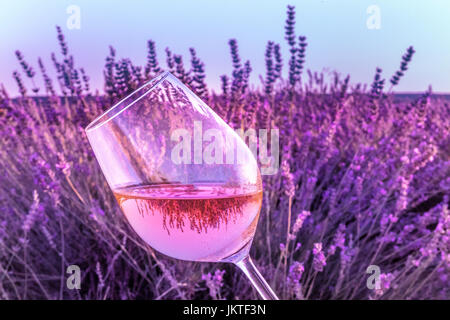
<point>187,183</point>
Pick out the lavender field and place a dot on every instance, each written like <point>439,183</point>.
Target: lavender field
<point>364,180</point>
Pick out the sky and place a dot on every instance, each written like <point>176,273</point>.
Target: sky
<point>348,36</point>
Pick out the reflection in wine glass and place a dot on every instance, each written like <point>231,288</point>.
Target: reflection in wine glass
<point>197,201</point>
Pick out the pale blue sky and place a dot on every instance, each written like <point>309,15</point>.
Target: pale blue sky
<point>338,38</point>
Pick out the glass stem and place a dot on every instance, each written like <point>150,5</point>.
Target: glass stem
<point>257,280</point>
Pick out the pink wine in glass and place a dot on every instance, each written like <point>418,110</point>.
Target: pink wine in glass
<point>198,222</point>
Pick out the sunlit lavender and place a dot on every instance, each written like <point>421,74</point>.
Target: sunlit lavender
<point>364,180</point>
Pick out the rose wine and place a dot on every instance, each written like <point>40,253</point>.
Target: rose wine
<point>198,222</point>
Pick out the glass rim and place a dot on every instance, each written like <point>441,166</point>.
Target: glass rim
<point>98,122</point>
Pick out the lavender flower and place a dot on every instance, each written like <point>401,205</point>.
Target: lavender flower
<point>47,80</point>
<point>301,55</point>
<point>295,272</point>
<point>152,66</point>
<point>225,85</point>
<point>19,82</point>
<point>301,217</point>
<point>85,78</point>
<point>294,277</point>
<point>198,80</point>
<point>289,178</point>
<point>377,84</point>
<point>270,77</point>
<point>26,67</point>
<point>49,237</point>
<point>180,71</point>
<point>339,240</point>
<point>237,74</point>
<point>319,260</point>
<point>278,61</point>
<point>32,213</point>
<point>110,86</point>
<point>214,282</point>
<point>406,59</point>
<point>62,42</point>
<point>101,279</point>
<point>169,60</point>
<point>386,280</point>
<point>290,37</point>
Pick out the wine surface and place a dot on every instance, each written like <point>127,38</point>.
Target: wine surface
<point>198,222</point>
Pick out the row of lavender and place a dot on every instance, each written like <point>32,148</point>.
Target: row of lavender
<point>364,181</point>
